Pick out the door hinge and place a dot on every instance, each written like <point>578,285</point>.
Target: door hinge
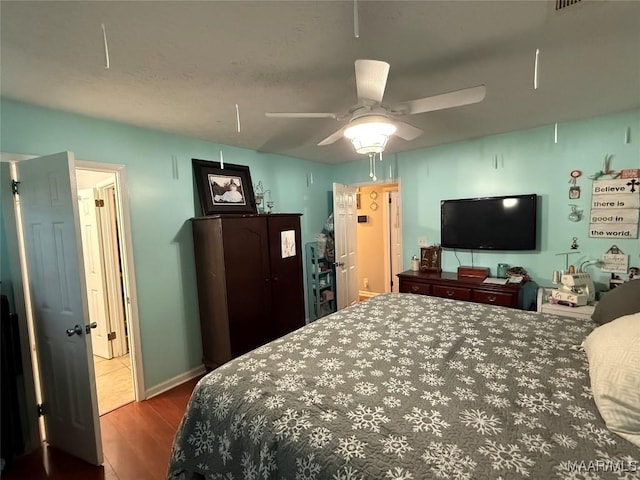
<point>40,410</point>
<point>111,336</point>
<point>99,203</point>
<point>15,184</point>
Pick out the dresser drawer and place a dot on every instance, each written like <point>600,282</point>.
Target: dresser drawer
<point>455,293</point>
<point>494,298</point>
<point>415,287</point>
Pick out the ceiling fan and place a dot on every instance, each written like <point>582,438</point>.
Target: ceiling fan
<point>370,122</point>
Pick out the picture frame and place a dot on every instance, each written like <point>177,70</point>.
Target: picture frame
<point>223,190</point>
<point>431,259</point>
<point>574,192</point>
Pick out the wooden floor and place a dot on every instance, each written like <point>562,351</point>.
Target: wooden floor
<point>136,441</point>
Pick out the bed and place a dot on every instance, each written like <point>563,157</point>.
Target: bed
<point>406,386</point>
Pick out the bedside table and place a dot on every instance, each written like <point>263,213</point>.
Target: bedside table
<point>583,313</point>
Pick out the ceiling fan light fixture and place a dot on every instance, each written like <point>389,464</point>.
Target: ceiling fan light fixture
<point>370,137</point>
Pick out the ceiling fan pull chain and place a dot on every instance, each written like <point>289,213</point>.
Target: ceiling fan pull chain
<point>238,117</point>
<point>370,166</point>
<point>374,168</point>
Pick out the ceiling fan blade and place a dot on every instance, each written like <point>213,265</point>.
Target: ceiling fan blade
<point>406,131</point>
<point>333,138</point>
<point>300,115</point>
<point>466,96</point>
<point>371,79</point>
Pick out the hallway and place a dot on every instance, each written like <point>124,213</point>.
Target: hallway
<point>113,382</point>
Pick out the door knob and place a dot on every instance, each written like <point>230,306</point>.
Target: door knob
<point>339,264</point>
<point>77,330</point>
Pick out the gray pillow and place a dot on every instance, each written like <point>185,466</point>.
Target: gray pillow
<point>622,300</point>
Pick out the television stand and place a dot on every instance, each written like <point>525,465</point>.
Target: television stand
<point>470,289</point>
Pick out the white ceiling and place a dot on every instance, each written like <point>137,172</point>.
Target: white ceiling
<point>181,66</point>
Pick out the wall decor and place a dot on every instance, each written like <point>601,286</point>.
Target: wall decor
<point>574,190</point>
<point>615,208</point>
<point>615,261</point>
<point>576,214</point>
<point>630,173</point>
<point>223,190</point>
<point>606,169</point>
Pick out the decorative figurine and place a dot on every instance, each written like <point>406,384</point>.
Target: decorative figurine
<point>576,213</point>
<point>606,168</point>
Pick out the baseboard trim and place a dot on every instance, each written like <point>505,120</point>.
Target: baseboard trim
<point>367,294</point>
<point>175,381</point>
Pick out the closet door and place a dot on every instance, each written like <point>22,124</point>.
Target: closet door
<point>248,282</point>
<point>285,250</point>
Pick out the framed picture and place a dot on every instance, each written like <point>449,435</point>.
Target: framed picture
<point>223,190</point>
<point>574,192</point>
<point>431,259</point>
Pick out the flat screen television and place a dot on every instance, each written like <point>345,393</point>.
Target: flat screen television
<point>489,223</point>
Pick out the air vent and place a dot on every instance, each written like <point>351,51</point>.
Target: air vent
<point>562,4</point>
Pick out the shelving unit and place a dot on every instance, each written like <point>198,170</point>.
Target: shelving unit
<point>320,284</point>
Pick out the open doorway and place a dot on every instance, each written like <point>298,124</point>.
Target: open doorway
<point>100,223</point>
<point>44,228</point>
<point>379,239</point>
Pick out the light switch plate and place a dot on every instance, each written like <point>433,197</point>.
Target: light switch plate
<point>422,241</point>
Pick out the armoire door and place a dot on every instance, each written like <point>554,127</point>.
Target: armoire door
<point>285,250</point>
<point>246,264</point>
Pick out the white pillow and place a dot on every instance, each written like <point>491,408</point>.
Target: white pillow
<point>613,351</point>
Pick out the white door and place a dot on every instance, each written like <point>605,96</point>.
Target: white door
<point>393,240</point>
<point>51,230</point>
<point>93,272</point>
<point>113,268</point>
<point>345,233</point>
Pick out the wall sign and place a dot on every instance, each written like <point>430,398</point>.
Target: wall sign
<point>615,262</point>
<point>615,207</point>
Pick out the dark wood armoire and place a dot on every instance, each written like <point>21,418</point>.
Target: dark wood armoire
<point>249,274</point>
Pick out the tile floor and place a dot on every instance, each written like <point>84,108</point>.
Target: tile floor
<point>113,382</point>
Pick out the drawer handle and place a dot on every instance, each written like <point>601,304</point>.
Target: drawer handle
<point>415,288</point>
<point>491,299</point>
<point>450,293</point>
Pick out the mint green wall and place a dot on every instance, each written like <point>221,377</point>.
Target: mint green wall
<point>528,162</point>
<point>160,205</point>
<point>160,208</point>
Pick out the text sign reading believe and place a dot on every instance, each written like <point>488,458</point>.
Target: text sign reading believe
<point>615,207</point>
<point>620,186</point>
